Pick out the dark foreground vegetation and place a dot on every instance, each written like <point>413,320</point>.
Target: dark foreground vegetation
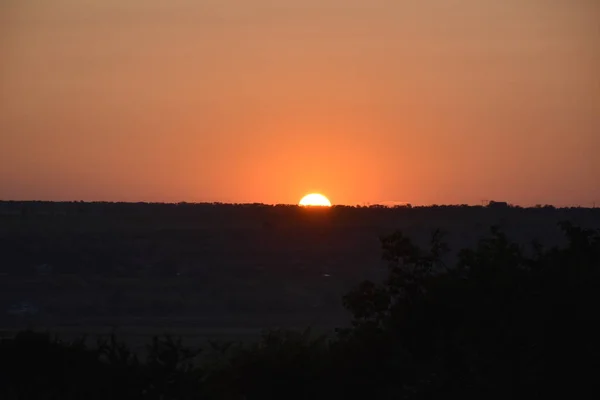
<point>503,321</point>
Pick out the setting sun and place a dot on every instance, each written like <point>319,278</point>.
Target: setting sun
<point>315,199</point>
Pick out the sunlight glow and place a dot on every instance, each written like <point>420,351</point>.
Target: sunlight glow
<point>315,199</point>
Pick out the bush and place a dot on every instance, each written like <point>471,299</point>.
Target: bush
<point>499,323</point>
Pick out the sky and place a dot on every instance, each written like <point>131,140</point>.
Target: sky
<point>365,101</point>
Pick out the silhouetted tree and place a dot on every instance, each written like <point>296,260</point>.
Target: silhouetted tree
<point>497,324</point>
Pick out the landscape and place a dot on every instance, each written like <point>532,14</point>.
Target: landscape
<point>299,199</point>
<point>237,282</point>
<point>216,274</point>
<point>178,267</point>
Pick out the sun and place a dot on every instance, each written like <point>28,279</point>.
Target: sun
<point>315,199</point>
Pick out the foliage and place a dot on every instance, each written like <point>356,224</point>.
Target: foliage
<point>497,324</point>
<point>504,321</point>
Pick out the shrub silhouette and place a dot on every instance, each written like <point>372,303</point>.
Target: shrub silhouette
<point>504,321</point>
<point>283,363</point>
<point>35,365</point>
<point>499,323</point>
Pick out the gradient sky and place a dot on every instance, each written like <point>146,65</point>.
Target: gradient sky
<point>429,101</point>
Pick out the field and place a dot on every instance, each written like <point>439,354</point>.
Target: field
<point>216,270</point>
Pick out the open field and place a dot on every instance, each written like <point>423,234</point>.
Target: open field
<point>216,270</point>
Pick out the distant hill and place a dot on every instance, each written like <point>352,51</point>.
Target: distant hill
<point>222,264</point>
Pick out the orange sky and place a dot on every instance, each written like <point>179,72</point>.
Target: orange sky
<point>429,101</point>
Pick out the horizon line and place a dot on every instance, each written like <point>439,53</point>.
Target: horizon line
<point>384,204</point>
